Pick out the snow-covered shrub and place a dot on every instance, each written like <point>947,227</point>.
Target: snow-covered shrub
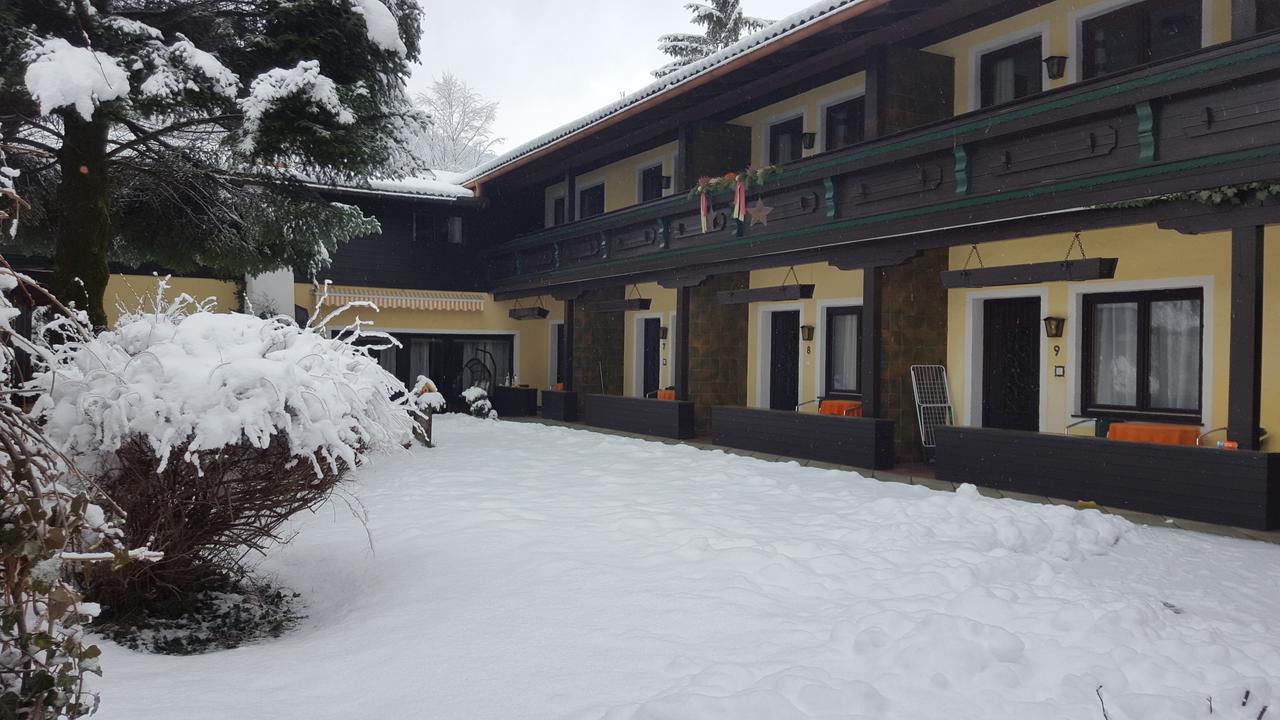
<point>478,404</point>
<point>213,429</point>
<point>427,395</point>
<point>49,526</point>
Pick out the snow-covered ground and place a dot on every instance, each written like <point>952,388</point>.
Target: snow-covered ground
<point>521,571</point>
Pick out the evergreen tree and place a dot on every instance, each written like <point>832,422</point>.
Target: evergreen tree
<point>180,131</point>
<point>723,25</point>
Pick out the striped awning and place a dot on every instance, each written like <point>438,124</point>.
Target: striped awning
<point>395,299</point>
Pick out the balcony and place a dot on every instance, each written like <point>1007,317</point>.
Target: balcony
<point>1206,119</point>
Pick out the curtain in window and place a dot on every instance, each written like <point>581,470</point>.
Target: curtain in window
<point>1115,354</point>
<point>844,353</point>
<point>1175,354</point>
<point>420,359</point>
<point>1004,75</point>
<point>498,358</point>
<point>387,359</point>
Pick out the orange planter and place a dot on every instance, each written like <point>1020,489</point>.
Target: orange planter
<point>1161,433</point>
<point>666,394</point>
<point>844,408</point>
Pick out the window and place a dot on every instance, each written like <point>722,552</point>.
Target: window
<point>785,141</point>
<point>651,183</point>
<point>557,211</point>
<point>1141,33</point>
<point>844,348</point>
<point>1268,15</point>
<point>429,227</point>
<point>1012,72</point>
<point>591,201</point>
<point>844,124</point>
<point>1143,353</point>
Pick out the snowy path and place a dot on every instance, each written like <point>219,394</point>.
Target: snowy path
<point>522,571</point>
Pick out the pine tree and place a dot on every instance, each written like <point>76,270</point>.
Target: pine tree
<point>181,132</point>
<point>723,23</point>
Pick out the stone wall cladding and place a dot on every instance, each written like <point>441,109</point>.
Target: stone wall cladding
<point>717,348</point>
<point>914,332</point>
<point>598,344</point>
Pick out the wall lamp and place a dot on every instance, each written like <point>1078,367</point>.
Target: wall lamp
<point>806,333</point>
<point>808,140</point>
<point>1056,65</point>
<point>662,332</point>
<point>1053,326</point>
<point>666,182</point>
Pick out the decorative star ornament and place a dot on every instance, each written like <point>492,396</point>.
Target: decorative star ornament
<point>759,212</point>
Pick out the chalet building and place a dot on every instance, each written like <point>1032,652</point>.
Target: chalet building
<point>1007,189</point>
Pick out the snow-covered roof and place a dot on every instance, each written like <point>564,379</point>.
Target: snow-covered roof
<point>782,28</point>
<point>435,184</point>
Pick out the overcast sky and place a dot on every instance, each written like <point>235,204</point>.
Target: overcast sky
<point>550,61</point>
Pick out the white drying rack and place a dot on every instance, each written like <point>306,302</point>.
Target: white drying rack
<point>933,401</point>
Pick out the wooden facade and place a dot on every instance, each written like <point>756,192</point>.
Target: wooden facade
<point>857,442</point>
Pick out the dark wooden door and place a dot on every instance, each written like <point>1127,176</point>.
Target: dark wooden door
<point>1011,364</point>
<point>652,350</point>
<point>784,359</point>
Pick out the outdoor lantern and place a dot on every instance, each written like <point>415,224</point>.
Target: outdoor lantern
<point>662,332</point>
<point>1053,326</point>
<point>809,139</point>
<point>666,182</point>
<point>1056,65</point>
<point>806,333</point>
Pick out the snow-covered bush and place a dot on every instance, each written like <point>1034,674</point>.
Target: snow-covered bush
<point>49,526</point>
<point>427,398</point>
<point>478,404</point>
<point>214,428</point>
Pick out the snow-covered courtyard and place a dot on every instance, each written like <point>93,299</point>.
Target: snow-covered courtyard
<point>523,571</point>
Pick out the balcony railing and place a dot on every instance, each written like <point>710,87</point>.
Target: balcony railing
<point>1207,119</point>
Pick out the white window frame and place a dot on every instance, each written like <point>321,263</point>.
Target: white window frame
<point>766,130</point>
<point>1077,18</point>
<point>549,209</point>
<point>1018,36</point>
<point>820,382</point>
<point>1075,338</point>
<point>825,104</point>
<point>582,186</point>
<point>661,164</point>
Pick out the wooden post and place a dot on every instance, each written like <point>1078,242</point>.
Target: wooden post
<point>566,354</point>
<point>873,102</point>
<point>870,360</point>
<point>1244,381</point>
<point>1244,19</point>
<point>570,197</point>
<point>680,372</point>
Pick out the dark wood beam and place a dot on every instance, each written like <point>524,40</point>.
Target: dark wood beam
<point>765,294</point>
<point>1225,217</point>
<point>872,310</point>
<point>1244,382</point>
<point>528,313</point>
<point>566,354</point>
<point>1061,270</point>
<point>570,197</point>
<point>873,104</point>
<point>680,372</point>
<point>620,305</point>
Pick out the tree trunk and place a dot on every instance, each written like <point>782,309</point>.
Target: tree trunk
<point>84,228</point>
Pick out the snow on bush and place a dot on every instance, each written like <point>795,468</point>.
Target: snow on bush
<point>184,376</point>
<point>478,403</point>
<point>426,395</point>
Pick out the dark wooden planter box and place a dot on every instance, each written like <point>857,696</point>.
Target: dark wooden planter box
<point>515,401</point>
<point>1228,487</point>
<point>559,405</point>
<point>646,416</point>
<point>860,442</point>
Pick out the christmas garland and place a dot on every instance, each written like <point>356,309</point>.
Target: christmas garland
<point>738,182</point>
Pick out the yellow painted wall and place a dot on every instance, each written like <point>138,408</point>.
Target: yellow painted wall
<point>533,337</point>
<point>130,292</point>
<point>663,307</point>
<point>1146,253</point>
<point>812,105</point>
<point>832,287</point>
<point>621,180</point>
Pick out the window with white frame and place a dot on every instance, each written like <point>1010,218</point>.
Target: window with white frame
<point>843,352</point>
<point>786,141</point>
<point>1143,353</point>
<point>1011,72</point>
<point>1140,33</point>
